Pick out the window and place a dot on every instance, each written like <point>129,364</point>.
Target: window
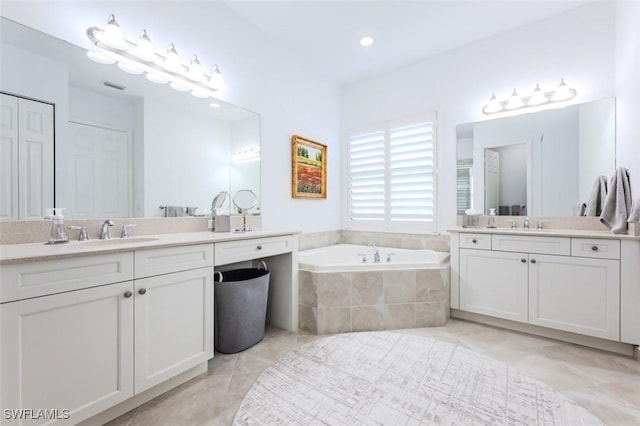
<point>392,175</point>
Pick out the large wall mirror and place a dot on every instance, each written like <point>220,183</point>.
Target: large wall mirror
<point>539,164</point>
<point>124,146</point>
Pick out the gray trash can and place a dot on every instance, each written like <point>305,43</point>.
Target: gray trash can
<point>240,308</point>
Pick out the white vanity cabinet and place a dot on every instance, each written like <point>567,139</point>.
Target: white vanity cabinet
<point>67,350</point>
<point>570,284</point>
<point>173,312</point>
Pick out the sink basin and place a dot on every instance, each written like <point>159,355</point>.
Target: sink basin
<point>117,241</point>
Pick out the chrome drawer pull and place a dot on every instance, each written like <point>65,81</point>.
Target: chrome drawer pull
<point>474,241</point>
<point>594,248</point>
<point>523,260</point>
<point>259,248</point>
<point>533,261</point>
<point>127,294</point>
<point>142,291</point>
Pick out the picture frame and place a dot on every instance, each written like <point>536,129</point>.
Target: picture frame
<point>309,168</point>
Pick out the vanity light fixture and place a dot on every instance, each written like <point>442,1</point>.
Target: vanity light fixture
<point>537,98</point>
<point>141,58</point>
<point>246,155</point>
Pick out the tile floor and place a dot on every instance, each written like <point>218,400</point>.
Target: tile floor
<point>606,384</point>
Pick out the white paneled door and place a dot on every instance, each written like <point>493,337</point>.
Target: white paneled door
<point>98,173</point>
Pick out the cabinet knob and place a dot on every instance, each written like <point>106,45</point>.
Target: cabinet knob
<point>142,291</point>
<point>594,248</point>
<point>523,260</point>
<point>259,248</point>
<point>127,294</point>
<point>533,261</point>
<point>474,241</point>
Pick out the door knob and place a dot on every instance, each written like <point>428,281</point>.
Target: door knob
<point>142,291</point>
<point>533,261</point>
<point>523,260</point>
<point>127,294</point>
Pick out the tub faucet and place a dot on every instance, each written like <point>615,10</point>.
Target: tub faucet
<point>104,234</point>
<point>376,254</point>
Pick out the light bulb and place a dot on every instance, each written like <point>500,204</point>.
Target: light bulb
<point>563,92</point>
<point>537,97</point>
<point>172,60</point>
<point>155,78</point>
<point>216,82</point>
<point>515,101</point>
<point>366,41</point>
<point>112,35</point>
<point>130,68</point>
<point>493,105</point>
<point>195,69</point>
<point>100,58</point>
<point>144,50</point>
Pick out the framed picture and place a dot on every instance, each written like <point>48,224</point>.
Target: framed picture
<point>309,168</point>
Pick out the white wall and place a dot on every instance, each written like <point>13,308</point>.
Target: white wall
<point>290,96</point>
<point>578,45</point>
<point>628,90</point>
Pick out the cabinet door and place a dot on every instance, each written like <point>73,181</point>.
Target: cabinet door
<point>494,283</point>
<point>174,325</point>
<point>69,351</point>
<point>575,294</point>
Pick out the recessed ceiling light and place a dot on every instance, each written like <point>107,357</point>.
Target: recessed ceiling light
<point>214,105</point>
<point>366,41</point>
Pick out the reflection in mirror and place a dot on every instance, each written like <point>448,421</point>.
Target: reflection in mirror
<point>244,200</point>
<point>539,164</point>
<point>125,146</point>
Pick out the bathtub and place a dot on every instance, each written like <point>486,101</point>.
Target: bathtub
<point>338,293</point>
<point>348,258</point>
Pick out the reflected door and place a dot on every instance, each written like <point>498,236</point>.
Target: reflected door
<point>491,179</point>
<point>98,173</point>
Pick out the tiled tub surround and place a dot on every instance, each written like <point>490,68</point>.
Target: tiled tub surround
<point>437,242</point>
<point>382,299</point>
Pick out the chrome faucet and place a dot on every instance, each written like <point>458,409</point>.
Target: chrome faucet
<point>104,234</point>
<point>526,223</point>
<point>376,254</point>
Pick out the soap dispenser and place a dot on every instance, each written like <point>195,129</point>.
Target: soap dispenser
<point>491,223</point>
<point>58,233</point>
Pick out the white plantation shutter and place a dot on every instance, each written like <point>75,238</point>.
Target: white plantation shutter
<point>463,185</point>
<point>392,177</point>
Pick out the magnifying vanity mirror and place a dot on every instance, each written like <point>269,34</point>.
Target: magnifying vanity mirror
<point>539,164</point>
<point>125,146</point>
<point>244,200</point>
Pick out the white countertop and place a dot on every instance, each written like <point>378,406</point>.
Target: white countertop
<point>578,233</point>
<point>14,253</point>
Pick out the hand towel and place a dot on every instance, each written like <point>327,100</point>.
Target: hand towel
<point>617,204</point>
<point>173,211</point>
<point>597,197</point>
<point>634,215</point>
<point>579,209</point>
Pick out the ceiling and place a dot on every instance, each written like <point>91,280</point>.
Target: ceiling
<point>326,33</point>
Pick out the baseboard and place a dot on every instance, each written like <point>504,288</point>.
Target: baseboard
<point>564,336</point>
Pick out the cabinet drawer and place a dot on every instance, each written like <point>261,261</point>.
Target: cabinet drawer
<point>34,279</point>
<point>173,259</point>
<point>476,241</point>
<point>602,249</point>
<point>532,244</point>
<point>238,251</point>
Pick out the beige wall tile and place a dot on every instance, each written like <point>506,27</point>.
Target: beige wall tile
<point>333,289</point>
<point>399,286</point>
<point>366,288</point>
<point>432,285</point>
<point>307,318</point>
<point>307,291</point>
<point>334,320</point>
<point>367,318</point>
<point>432,314</point>
<point>399,316</point>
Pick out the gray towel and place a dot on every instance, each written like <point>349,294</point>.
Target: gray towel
<point>173,211</point>
<point>579,209</point>
<point>617,205</point>
<point>596,199</point>
<point>634,216</point>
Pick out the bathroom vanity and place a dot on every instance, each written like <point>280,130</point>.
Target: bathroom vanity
<point>578,286</point>
<point>99,327</point>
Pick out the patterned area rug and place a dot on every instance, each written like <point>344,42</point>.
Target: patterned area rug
<point>397,379</point>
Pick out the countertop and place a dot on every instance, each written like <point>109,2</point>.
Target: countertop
<point>15,253</point>
<point>577,233</point>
